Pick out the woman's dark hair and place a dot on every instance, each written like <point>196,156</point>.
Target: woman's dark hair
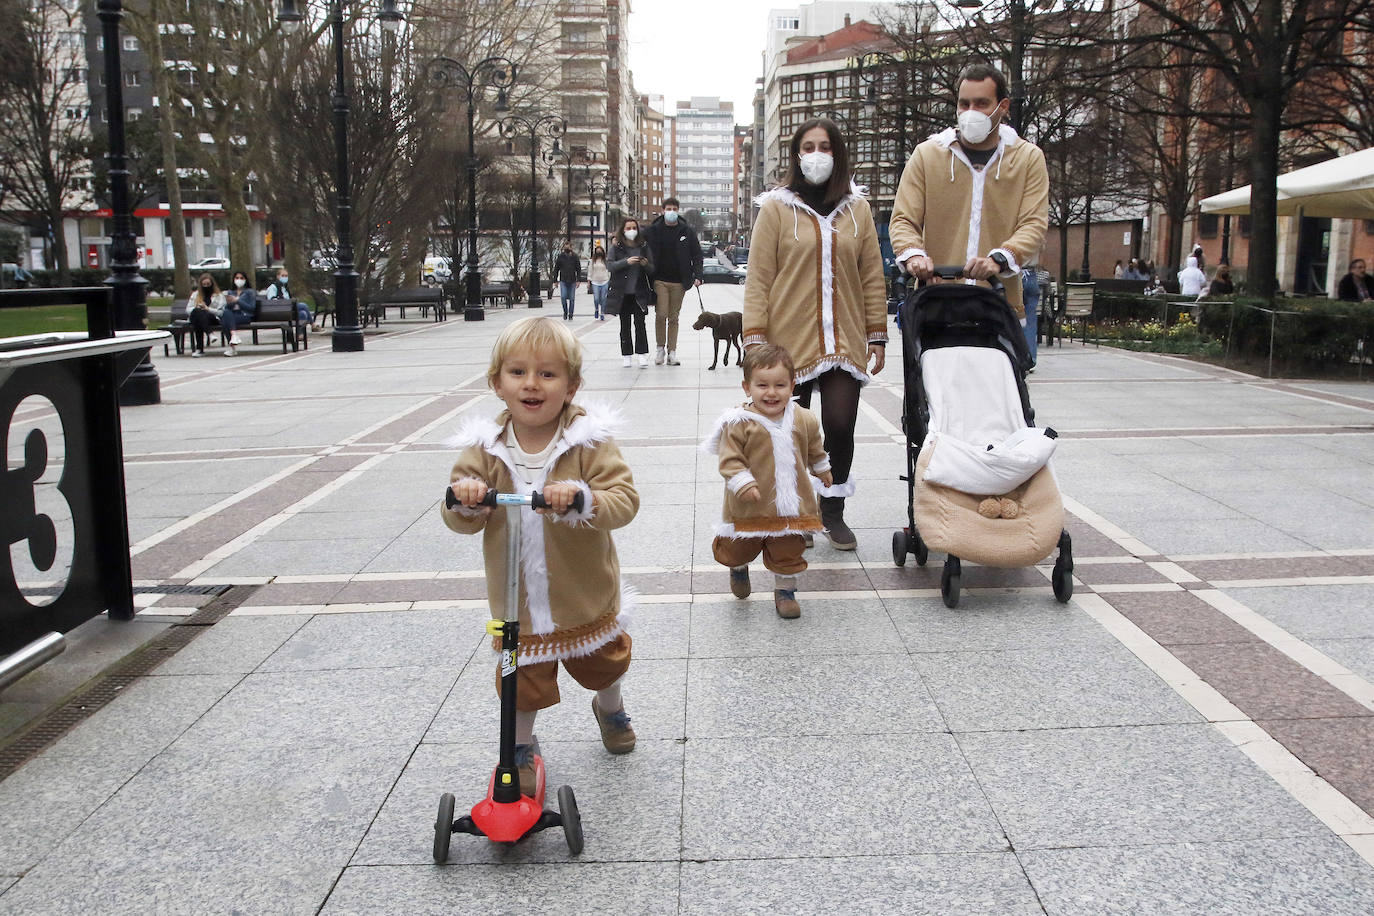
<point>237,274</point>
<point>598,251</point>
<point>838,185</point>
<point>620,233</point>
<point>1353,263</point>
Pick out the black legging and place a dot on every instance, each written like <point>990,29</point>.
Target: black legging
<point>630,311</point>
<point>201,320</point>
<point>839,414</point>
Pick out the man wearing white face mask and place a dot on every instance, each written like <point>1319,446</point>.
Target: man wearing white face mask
<point>976,194</point>
<point>677,260</point>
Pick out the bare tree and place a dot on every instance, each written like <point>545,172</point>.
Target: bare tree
<point>1275,57</point>
<point>44,108</point>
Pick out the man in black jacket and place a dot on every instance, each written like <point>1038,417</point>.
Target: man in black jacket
<point>567,267</point>
<point>677,265</point>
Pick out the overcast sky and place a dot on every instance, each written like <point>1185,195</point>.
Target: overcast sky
<point>682,48</point>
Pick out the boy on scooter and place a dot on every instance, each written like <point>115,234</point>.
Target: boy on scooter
<point>768,449</point>
<point>543,442</point>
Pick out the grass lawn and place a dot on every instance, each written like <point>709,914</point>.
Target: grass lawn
<point>57,318</point>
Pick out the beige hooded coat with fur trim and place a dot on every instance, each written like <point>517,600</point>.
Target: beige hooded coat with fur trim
<point>950,211</point>
<point>816,283</point>
<point>571,596</point>
<point>776,456</point>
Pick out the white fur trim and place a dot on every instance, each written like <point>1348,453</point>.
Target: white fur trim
<point>740,481</point>
<point>711,444</point>
<point>629,598</point>
<point>475,430</point>
<point>601,421</point>
<point>727,530</point>
<point>840,489</point>
<point>821,466</point>
<point>909,254</point>
<point>786,500</point>
<point>833,362</point>
<point>1013,268</point>
<point>573,517</point>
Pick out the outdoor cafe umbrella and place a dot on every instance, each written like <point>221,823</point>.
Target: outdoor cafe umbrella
<point>1341,188</point>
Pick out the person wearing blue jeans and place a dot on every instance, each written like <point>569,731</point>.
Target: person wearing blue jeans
<point>240,307</point>
<point>567,267</point>
<point>1030,297</point>
<point>598,282</point>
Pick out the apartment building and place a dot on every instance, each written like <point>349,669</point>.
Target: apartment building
<point>704,161</point>
<point>653,158</point>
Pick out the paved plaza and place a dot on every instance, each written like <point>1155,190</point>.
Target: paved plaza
<point>1191,734</point>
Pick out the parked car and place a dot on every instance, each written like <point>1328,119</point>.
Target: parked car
<point>321,261</point>
<point>437,270</point>
<point>739,255</point>
<point>718,273</point>
<point>211,264</point>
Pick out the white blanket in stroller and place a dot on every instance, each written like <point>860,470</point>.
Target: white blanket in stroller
<point>979,442</point>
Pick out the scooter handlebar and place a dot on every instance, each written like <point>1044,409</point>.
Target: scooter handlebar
<point>534,500</point>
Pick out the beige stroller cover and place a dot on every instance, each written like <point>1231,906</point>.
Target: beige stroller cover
<point>973,397</point>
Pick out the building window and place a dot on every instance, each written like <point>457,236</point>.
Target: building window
<point>133,114</point>
<point>130,43</point>
<point>1245,226</point>
<point>1207,225</point>
<point>1369,227</point>
<point>131,78</point>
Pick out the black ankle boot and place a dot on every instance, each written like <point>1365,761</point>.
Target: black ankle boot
<point>832,517</point>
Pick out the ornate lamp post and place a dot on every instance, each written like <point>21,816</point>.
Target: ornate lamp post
<point>130,288</point>
<point>584,156</point>
<point>497,73</point>
<point>1019,21</point>
<point>537,126</point>
<point>348,335</point>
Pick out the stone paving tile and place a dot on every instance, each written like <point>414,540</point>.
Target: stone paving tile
<point>625,887</point>
<point>366,592</point>
<point>1355,654</point>
<point>735,628</point>
<point>937,885</point>
<point>1076,686</point>
<point>1338,750</point>
<point>336,642</point>
<point>926,799</point>
<point>870,694</point>
<point>993,622</point>
<point>1272,568</point>
<point>1178,618</point>
<point>234,645</point>
<point>1266,684</point>
<point>630,804</point>
<point>660,631</point>
<point>1315,611</point>
<point>274,594</point>
<point>1129,786</point>
<point>1316,875</point>
<point>1118,573</point>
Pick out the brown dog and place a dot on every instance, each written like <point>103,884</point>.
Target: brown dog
<point>727,327</point>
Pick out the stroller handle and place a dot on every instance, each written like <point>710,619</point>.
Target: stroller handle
<point>956,272</point>
<point>533,500</point>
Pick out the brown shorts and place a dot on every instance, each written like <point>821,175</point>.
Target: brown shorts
<point>782,555</point>
<point>536,686</point>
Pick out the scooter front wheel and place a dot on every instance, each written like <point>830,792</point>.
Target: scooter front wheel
<point>572,820</point>
<point>443,828</point>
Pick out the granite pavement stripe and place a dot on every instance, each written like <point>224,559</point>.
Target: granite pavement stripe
<point>1337,750</point>
<point>1277,568</point>
<point>1266,684</point>
<point>1179,618</point>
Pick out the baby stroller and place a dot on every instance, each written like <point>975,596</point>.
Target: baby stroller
<point>979,486</point>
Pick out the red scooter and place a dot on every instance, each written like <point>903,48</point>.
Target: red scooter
<point>507,815</point>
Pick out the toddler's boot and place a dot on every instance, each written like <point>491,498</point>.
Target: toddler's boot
<point>739,581</point>
<point>524,765</point>
<point>785,597</point>
<point>616,733</point>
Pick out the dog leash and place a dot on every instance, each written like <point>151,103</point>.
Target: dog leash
<point>701,306</point>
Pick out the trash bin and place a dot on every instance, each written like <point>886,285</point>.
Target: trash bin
<point>65,556</point>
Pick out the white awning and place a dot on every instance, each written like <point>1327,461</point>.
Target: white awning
<point>1341,188</point>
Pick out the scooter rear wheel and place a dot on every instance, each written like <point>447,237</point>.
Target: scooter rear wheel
<point>443,828</point>
<point>572,820</point>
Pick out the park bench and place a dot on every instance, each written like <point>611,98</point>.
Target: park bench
<point>272,315</point>
<point>422,297</point>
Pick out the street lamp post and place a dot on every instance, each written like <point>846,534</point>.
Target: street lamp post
<point>498,73</point>
<point>537,126</point>
<point>130,288</point>
<point>348,335</point>
<point>586,157</point>
<point>1018,17</point>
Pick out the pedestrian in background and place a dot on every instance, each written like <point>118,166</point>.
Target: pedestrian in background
<point>677,261</point>
<point>1191,279</point>
<point>1030,298</point>
<point>1355,285</point>
<point>816,288</point>
<point>568,267</point>
<point>598,280</point>
<point>280,288</point>
<point>1118,273</point>
<point>206,305</point>
<point>240,307</point>
<point>631,292</point>
<point>1221,283</point>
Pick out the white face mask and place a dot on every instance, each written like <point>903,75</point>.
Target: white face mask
<point>974,126</point>
<point>631,234</point>
<point>240,282</point>
<point>816,166</point>
<point>670,217</point>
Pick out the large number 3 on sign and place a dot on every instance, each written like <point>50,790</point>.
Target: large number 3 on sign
<point>36,524</point>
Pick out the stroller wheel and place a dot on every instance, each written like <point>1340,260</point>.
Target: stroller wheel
<point>899,547</point>
<point>949,582</point>
<point>920,549</point>
<point>1062,581</point>
<point>572,820</point>
<point>443,828</point>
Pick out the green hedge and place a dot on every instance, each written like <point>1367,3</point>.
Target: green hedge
<point>1305,333</point>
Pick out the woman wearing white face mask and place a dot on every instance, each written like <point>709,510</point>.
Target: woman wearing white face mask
<point>240,307</point>
<point>816,287</point>
<point>631,292</point>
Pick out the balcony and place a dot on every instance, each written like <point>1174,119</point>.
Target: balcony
<point>581,49</point>
<point>581,10</point>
